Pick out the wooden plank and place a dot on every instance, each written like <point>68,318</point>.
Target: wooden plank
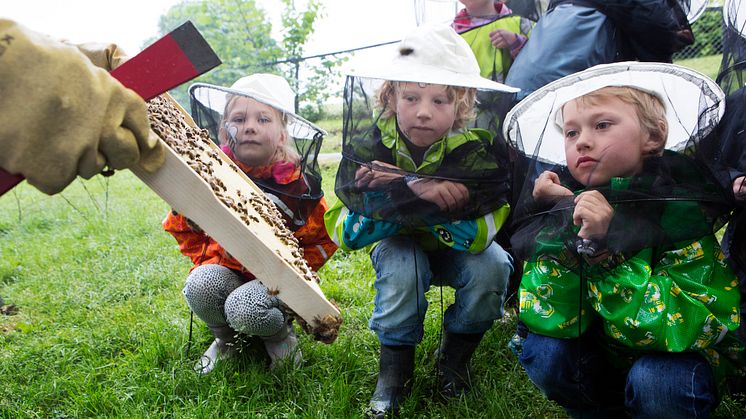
<point>199,181</point>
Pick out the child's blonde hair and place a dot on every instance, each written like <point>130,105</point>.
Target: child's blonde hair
<point>287,152</point>
<point>649,109</point>
<point>463,98</point>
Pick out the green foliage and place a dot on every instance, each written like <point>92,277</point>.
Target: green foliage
<point>708,35</point>
<point>314,88</point>
<point>240,33</point>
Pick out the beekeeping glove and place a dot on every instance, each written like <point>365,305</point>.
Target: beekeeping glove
<point>106,56</point>
<point>60,116</point>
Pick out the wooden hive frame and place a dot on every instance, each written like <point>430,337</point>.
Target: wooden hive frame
<point>199,181</point>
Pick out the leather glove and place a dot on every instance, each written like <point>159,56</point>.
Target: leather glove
<point>60,116</point>
<point>106,56</point>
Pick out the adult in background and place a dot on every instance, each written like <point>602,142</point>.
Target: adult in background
<point>575,35</point>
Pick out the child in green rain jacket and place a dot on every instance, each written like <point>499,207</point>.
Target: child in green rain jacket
<point>638,314</point>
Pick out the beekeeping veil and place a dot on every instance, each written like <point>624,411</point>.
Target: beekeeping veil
<point>727,148</point>
<point>732,79</point>
<point>295,199</point>
<point>373,139</point>
<point>678,185</point>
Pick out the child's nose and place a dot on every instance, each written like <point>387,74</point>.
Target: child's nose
<point>424,111</point>
<point>584,141</point>
<point>249,127</point>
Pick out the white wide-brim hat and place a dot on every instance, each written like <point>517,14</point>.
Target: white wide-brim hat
<point>269,89</point>
<point>694,104</point>
<point>696,8</point>
<point>434,54</point>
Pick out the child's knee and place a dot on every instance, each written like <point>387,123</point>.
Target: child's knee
<point>684,381</point>
<point>502,262</point>
<point>209,284</point>
<point>492,267</point>
<point>251,310</point>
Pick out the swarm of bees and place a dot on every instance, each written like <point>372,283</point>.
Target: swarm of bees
<point>195,147</point>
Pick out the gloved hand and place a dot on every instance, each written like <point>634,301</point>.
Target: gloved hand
<point>106,56</point>
<point>60,116</point>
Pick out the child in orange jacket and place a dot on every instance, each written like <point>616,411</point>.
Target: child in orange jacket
<point>255,127</point>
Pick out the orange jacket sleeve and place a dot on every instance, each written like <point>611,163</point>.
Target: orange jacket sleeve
<point>202,249</point>
<point>317,246</point>
<point>198,246</point>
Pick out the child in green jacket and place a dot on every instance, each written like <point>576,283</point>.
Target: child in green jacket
<point>627,296</point>
<point>431,194</point>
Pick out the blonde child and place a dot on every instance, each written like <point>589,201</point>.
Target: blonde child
<point>428,193</point>
<point>638,314</point>
<point>255,119</point>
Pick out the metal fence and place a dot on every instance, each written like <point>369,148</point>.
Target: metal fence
<point>708,35</point>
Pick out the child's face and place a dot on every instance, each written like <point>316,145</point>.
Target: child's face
<point>604,140</point>
<point>257,130</point>
<point>424,112</point>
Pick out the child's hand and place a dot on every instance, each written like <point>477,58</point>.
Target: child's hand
<point>447,195</point>
<point>593,213</point>
<point>739,188</point>
<point>501,38</point>
<point>547,188</point>
<point>368,175</point>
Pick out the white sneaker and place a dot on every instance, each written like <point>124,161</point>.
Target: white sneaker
<point>280,349</point>
<point>218,350</point>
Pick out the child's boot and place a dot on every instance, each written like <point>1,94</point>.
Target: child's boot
<point>395,373</point>
<point>283,346</point>
<point>454,358</point>
<point>221,348</point>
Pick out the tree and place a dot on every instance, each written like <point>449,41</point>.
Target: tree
<point>312,90</point>
<point>240,33</point>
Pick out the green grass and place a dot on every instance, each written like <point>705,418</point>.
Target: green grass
<point>333,139</point>
<point>102,328</point>
<point>709,65</point>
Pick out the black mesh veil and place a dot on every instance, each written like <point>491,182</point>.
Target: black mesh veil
<point>652,278</point>
<point>530,9</point>
<point>727,148</point>
<point>295,199</point>
<point>373,140</point>
<point>732,76</point>
<point>678,182</point>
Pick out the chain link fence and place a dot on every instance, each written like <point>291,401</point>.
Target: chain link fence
<point>708,35</point>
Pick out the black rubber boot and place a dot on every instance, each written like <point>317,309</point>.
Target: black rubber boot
<point>454,358</point>
<point>395,371</point>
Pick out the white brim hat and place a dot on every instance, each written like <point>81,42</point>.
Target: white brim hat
<point>269,89</point>
<point>694,104</point>
<point>434,54</point>
<point>695,10</point>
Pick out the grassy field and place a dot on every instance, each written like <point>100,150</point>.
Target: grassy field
<point>101,328</point>
<point>94,324</point>
<point>708,65</point>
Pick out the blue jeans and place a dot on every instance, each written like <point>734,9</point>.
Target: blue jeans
<point>404,272</point>
<point>577,374</point>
